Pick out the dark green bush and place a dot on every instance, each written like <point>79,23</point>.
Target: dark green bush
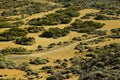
<point>3,24</point>
<point>103,17</point>
<point>12,34</point>
<point>47,68</point>
<point>115,35</point>
<point>2,65</point>
<point>55,33</point>
<point>115,30</point>
<point>85,26</point>
<point>15,7</point>
<point>70,12</point>
<point>51,19</point>
<point>18,50</point>
<point>35,29</point>
<point>39,47</point>
<point>38,61</point>
<point>25,40</point>
<point>100,64</point>
<point>15,24</point>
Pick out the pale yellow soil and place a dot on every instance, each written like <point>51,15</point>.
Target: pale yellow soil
<point>110,24</point>
<point>3,29</point>
<point>106,42</point>
<point>56,53</point>
<point>12,73</point>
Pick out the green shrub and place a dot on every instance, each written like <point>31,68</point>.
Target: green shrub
<point>85,26</point>
<point>25,41</point>
<point>18,50</point>
<point>2,65</point>
<point>115,35</point>
<point>58,61</point>
<point>38,61</point>
<point>12,34</point>
<point>3,24</point>
<point>55,33</point>
<point>34,29</point>
<point>30,7</point>
<point>15,24</point>
<point>39,48</point>
<point>51,19</point>
<point>80,47</point>
<point>69,12</point>
<point>103,17</point>
<point>115,30</point>
<point>11,65</point>
<point>47,68</point>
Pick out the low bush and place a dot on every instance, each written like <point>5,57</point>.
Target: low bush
<point>69,11</point>
<point>25,41</point>
<point>39,48</point>
<point>103,17</point>
<point>34,29</point>
<point>115,35</point>
<point>18,50</point>
<point>12,34</point>
<point>51,19</point>
<point>85,26</point>
<point>38,61</point>
<point>115,30</point>
<point>55,33</point>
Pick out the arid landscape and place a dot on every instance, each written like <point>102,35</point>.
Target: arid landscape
<point>59,40</point>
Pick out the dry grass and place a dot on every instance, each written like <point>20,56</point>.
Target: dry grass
<point>12,73</point>
<point>58,53</point>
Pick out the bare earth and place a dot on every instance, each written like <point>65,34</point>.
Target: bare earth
<point>62,52</point>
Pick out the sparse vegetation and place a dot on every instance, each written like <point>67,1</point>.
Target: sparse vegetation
<point>100,64</point>
<point>67,38</point>
<point>24,7</point>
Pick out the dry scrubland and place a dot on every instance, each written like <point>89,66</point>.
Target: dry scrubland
<point>65,51</point>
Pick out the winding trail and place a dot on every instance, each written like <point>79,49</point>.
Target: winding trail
<point>62,52</point>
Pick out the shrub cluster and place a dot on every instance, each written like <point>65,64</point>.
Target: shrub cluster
<point>55,33</point>
<point>21,7</point>
<point>104,17</point>
<point>101,63</point>
<point>25,40</point>
<point>34,29</point>
<point>85,26</point>
<point>115,33</point>
<point>62,16</point>
<point>70,12</point>
<point>38,61</point>
<point>115,30</point>
<point>18,50</point>
<point>101,15</point>
<point>6,64</point>
<point>114,4</point>
<point>99,32</point>
<point>51,19</point>
<point>12,34</point>
<point>5,24</point>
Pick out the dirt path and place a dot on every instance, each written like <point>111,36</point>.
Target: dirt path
<point>59,53</point>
